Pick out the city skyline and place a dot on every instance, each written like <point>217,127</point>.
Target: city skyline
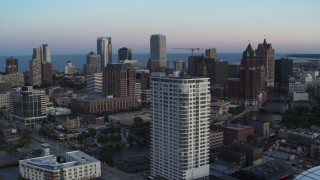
<point>72,27</point>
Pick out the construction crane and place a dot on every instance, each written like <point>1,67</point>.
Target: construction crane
<point>191,49</point>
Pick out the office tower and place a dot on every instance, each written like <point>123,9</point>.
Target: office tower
<point>11,65</point>
<point>46,70</point>
<point>234,70</point>
<point>178,65</point>
<point>28,106</point>
<point>249,73</point>
<point>37,54</point>
<point>95,82</point>
<point>158,50</point>
<point>266,56</point>
<point>124,54</point>
<point>69,68</point>
<point>93,63</point>
<point>119,80</point>
<point>217,71</point>
<point>104,49</point>
<point>211,53</point>
<point>45,53</point>
<point>283,70</point>
<point>180,108</point>
<point>35,72</point>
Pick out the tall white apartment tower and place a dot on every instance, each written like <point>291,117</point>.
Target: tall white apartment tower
<point>180,110</point>
<point>104,49</point>
<point>158,49</point>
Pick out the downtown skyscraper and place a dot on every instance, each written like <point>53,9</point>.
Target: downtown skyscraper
<point>104,49</point>
<point>180,110</point>
<point>158,51</point>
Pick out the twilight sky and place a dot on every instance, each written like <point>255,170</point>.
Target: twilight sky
<point>72,26</point>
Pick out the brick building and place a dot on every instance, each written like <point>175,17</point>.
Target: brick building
<point>236,132</point>
<point>11,65</point>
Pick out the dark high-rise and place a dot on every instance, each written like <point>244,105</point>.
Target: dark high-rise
<point>93,63</point>
<point>249,73</point>
<point>11,65</point>
<point>124,54</point>
<point>266,55</point>
<point>119,80</point>
<point>283,69</point>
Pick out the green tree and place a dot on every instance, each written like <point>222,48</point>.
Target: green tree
<point>10,149</point>
<point>106,157</point>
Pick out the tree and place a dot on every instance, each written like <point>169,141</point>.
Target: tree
<point>130,139</point>
<point>10,149</point>
<point>103,139</point>
<point>106,157</point>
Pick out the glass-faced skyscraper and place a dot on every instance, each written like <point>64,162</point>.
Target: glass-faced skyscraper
<point>158,50</point>
<point>104,49</point>
<point>180,110</point>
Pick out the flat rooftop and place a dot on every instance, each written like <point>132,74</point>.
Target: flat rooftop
<point>219,103</point>
<point>50,162</point>
<point>237,127</point>
<point>82,157</point>
<point>145,115</point>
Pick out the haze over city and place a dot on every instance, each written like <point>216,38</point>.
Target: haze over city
<point>71,27</point>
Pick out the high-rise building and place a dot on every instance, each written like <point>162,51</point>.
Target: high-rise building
<point>119,80</point>
<point>266,57</point>
<point>45,53</point>
<point>178,65</point>
<point>35,72</point>
<point>40,66</point>
<point>211,53</point>
<point>94,82</point>
<point>158,50</point>
<point>11,65</point>
<point>46,72</point>
<point>104,49</point>
<point>124,54</point>
<point>180,108</point>
<point>283,69</point>
<point>234,71</point>
<point>93,63</point>
<point>28,106</point>
<point>249,73</point>
<point>69,68</point>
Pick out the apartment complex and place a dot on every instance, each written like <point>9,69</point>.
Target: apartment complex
<point>180,110</point>
<point>78,165</point>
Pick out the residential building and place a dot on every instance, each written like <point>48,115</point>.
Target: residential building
<point>218,108</point>
<point>93,63</point>
<point>104,49</point>
<point>99,104</point>
<point>46,70</point>
<point>95,83</point>
<point>215,140</point>
<point>249,77</point>
<point>180,109</point>
<point>28,106</point>
<point>283,70</point>
<point>261,128</point>
<point>211,53</point>
<point>124,54</point>
<point>15,79</point>
<point>297,86</point>
<point>4,100</point>
<point>35,72</point>
<point>78,165</point>
<point>143,77</point>
<point>253,153</point>
<point>119,80</point>
<point>236,132</point>
<point>68,121</point>
<point>266,57</point>
<point>158,50</point>
<point>69,68</point>
<point>11,65</point>
<point>178,65</point>
<point>4,86</point>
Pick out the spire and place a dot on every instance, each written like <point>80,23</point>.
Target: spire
<point>264,41</point>
<point>248,52</point>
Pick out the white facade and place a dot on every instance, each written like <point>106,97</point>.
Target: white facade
<point>69,68</point>
<point>158,49</point>
<point>180,110</point>
<point>300,96</point>
<point>95,82</point>
<point>78,166</point>
<point>297,87</point>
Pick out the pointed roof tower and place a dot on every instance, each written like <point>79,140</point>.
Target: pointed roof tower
<point>248,52</point>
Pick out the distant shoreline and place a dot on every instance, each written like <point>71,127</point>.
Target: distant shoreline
<point>304,55</point>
